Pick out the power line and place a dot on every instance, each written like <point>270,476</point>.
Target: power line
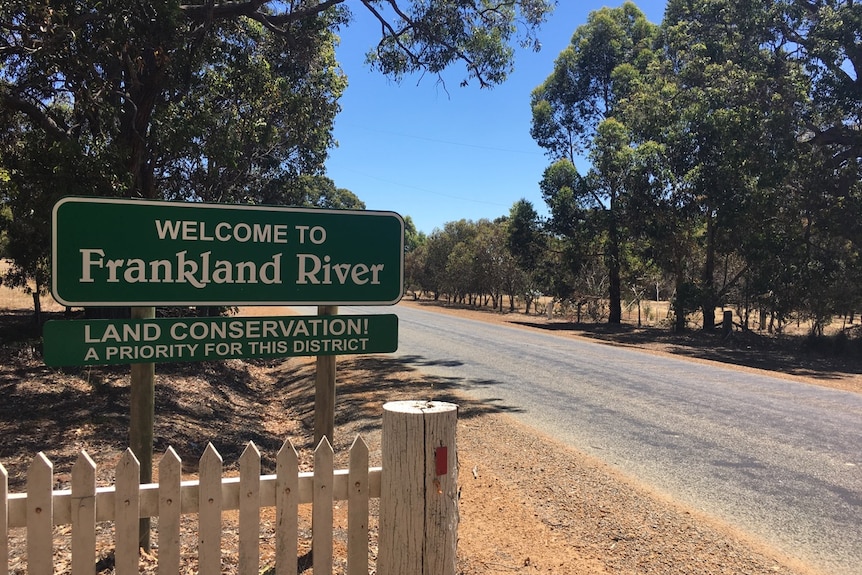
<point>447,142</point>
<point>424,190</point>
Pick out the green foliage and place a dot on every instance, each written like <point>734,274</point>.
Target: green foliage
<point>577,109</point>
<point>525,239</point>
<point>724,163</point>
<point>229,102</point>
<point>430,36</point>
<point>413,238</point>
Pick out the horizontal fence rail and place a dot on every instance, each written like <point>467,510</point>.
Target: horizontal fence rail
<point>417,520</point>
<point>41,509</point>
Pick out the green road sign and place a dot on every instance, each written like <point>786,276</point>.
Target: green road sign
<point>168,340</point>
<point>117,252</point>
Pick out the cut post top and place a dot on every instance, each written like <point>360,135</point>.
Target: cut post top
<point>414,406</point>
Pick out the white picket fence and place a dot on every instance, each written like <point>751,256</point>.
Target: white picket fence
<point>41,509</point>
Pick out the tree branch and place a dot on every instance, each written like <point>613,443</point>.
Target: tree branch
<point>36,114</point>
<point>252,9</point>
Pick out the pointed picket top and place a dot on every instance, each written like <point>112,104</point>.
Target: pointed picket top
<point>324,443</point>
<point>249,472</point>
<point>169,461</point>
<point>170,457</point>
<point>358,446</point>
<point>83,514</point>
<point>250,452</point>
<point>84,460</point>
<point>287,455</point>
<point>210,456</point>
<point>39,464</point>
<point>128,459</point>
<point>170,477</point>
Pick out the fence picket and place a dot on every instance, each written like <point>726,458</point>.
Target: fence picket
<point>127,501</point>
<point>249,510</point>
<point>127,512</point>
<point>321,512</point>
<point>4,521</point>
<point>209,511</point>
<point>170,507</point>
<point>286,509</point>
<point>83,515</point>
<point>40,512</point>
<point>357,509</point>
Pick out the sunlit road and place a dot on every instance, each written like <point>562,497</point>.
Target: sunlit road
<point>778,459</point>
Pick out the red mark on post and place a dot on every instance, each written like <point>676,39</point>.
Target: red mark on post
<point>441,460</point>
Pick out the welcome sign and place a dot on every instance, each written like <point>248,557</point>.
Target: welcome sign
<point>116,252</point>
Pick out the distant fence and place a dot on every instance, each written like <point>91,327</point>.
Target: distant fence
<point>421,482</point>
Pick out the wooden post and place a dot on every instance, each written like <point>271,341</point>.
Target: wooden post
<point>324,389</point>
<point>419,489</point>
<point>142,403</point>
<point>727,323</point>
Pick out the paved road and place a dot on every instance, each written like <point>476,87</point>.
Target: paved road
<point>780,460</point>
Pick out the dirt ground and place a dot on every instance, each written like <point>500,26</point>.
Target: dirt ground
<point>528,504</point>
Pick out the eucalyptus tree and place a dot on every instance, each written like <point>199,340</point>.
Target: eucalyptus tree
<point>438,274</point>
<point>823,39</point>
<point>529,245</point>
<point>221,101</point>
<point>729,132</point>
<point>499,273</point>
<point>576,111</point>
<point>823,36</point>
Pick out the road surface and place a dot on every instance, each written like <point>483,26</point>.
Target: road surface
<point>778,459</point>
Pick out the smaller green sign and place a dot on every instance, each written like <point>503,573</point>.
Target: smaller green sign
<point>168,340</point>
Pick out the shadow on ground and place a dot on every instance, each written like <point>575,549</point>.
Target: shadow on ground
<point>60,411</point>
<point>793,355</point>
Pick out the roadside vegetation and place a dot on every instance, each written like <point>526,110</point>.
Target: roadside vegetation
<point>722,145</point>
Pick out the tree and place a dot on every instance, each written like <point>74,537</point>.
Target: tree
<point>223,102</point>
<point>575,110</point>
<point>525,238</point>
<point>414,257</point>
<point>413,238</point>
<point>528,244</point>
<point>730,131</point>
<point>823,36</point>
<point>583,89</point>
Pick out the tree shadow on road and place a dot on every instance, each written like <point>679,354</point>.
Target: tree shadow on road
<point>788,354</point>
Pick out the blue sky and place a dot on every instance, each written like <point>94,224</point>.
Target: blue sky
<point>439,154</point>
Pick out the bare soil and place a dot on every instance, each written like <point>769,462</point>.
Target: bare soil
<point>528,504</point>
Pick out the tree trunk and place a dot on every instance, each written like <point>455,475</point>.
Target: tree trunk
<point>678,306</point>
<point>37,307</point>
<point>615,313</point>
<point>709,299</point>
